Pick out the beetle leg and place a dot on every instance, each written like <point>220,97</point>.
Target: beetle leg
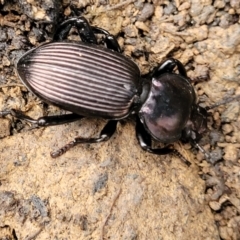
<point>168,66</point>
<point>145,142</point>
<point>181,68</point>
<point>105,135</point>
<point>84,30</point>
<point>43,121</point>
<point>110,40</point>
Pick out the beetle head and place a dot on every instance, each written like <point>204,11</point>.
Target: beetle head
<point>196,125</point>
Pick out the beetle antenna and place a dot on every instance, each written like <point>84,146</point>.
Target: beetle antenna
<point>224,101</point>
<point>201,149</point>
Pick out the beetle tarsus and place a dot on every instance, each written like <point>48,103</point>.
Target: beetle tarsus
<point>17,114</point>
<point>179,155</point>
<point>62,150</point>
<point>105,135</point>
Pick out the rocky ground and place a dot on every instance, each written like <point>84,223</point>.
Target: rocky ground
<point>115,190</point>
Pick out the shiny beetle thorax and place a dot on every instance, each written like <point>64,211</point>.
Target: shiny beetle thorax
<point>167,107</point>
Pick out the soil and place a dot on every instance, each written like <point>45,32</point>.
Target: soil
<point>115,190</point>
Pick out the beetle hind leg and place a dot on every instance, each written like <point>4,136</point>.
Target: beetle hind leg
<point>86,33</point>
<point>83,27</point>
<point>43,121</point>
<point>144,140</point>
<point>105,135</point>
<point>110,40</point>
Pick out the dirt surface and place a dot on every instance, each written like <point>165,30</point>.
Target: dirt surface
<point>115,190</point>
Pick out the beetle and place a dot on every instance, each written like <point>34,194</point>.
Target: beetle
<point>91,80</point>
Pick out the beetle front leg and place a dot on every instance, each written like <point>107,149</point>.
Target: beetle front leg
<point>168,66</point>
<point>84,30</point>
<point>145,142</point>
<point>43,121</point>
<point>105,135</point>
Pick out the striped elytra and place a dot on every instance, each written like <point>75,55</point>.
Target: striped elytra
<point>82,78</point>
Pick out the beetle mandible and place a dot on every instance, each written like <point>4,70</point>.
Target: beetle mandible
<point>92,80</point>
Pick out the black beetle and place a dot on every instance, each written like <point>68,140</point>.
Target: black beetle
<point>91,80</point>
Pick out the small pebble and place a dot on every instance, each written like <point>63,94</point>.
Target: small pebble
<point>146,12</point>
<point>231,153</point>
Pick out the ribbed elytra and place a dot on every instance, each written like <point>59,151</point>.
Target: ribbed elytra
<point>82,79</point>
